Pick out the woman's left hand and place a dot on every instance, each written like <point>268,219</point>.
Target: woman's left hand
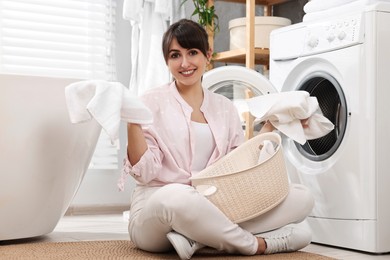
<point>267,127</point>
<point>305,123</point>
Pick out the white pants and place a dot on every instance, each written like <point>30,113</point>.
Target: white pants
<point>155,211</point>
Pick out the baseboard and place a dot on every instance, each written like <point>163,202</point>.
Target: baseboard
<point>96,209</point>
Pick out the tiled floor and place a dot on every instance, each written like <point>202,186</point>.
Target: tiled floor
<point>114,227</point>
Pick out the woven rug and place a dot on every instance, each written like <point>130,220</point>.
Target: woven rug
<point>121,249</point>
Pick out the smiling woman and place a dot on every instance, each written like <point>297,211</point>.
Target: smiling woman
<point>187,53</point>
<point>194,128</point>
<point>186,65</point>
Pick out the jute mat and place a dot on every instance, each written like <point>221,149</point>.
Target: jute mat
<point>121,249</point>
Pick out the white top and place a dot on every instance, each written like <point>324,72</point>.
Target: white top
<point>204,145</point>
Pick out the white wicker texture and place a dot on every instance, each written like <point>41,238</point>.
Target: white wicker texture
<point>241,187</point>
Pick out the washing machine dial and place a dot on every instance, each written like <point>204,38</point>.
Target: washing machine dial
<point>313,41</point>
<point>341,35</point>
<point>331,37</point>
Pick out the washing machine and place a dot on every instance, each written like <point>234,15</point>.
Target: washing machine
<point>344,61</point>
<point>239,83</point>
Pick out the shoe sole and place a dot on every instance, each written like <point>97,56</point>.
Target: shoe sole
<point>175,241</point>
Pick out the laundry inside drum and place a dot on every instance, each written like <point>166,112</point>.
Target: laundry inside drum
<point>333,106</point>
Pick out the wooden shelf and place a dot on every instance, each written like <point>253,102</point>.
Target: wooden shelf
<point>258,2</point>
<point>248,55</point>
<point>266,3</point>
<point>239,56</point>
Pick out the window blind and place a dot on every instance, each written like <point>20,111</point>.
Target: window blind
<point>61,38</point>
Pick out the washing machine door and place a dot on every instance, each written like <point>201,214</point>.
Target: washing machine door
<point>238,83</point>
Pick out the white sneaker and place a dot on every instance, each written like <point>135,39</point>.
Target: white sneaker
<point>287,239</point>
<point>184,247</point>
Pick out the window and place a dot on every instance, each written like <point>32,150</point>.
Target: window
<point>61,38</point>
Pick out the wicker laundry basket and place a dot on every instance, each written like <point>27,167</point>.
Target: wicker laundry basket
<point>241,187</point>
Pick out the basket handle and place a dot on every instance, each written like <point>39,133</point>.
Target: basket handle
<point>206,190</point>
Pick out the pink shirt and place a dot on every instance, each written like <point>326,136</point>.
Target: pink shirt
<point>171,137</point>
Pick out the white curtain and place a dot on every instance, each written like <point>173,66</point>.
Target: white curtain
<point>149,20</point>
<point>61,38</point>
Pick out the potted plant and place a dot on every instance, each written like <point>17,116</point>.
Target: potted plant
<point>206,15</point>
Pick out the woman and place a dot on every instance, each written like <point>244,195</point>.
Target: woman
<point>193,128</point>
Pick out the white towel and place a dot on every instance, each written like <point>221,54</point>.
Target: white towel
<point>108,103</point>
<point>132,10</point>
<point>285,111</point>
<point>320,5</point>
<point>325,10</point>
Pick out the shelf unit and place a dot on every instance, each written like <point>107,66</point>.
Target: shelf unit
<point>250,56</point>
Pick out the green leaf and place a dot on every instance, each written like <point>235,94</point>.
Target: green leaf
<point>206,15</point>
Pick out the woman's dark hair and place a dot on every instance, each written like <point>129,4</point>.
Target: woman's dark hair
<point>188,34</point>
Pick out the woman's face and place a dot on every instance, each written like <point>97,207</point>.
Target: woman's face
<point>186,65</point>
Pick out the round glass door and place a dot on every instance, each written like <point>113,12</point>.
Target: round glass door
<point>332,103</point>
<point>239,83</point>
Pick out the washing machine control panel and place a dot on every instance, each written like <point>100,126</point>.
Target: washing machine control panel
<point>333,34</point>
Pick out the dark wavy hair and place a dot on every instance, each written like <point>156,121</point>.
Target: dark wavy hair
<point>189,35</point>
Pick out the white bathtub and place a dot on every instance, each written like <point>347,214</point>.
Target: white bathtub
<point>43,157</point>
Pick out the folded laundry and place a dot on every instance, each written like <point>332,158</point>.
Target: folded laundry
<point>267,150</point>
<point>285,111</point>
<point>319,9</point>
<point>320,5</point>
<point>108,103</point>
